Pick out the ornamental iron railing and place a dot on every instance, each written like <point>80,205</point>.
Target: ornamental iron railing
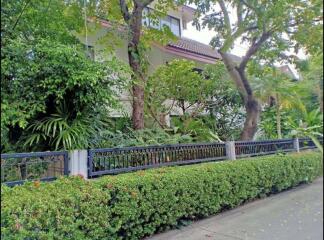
<point>17,168</point>
<point>119,160</point>
<point>255,148</point>
<point>116,160</point>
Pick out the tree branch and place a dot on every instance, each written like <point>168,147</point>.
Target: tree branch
<point>231,39</point>
<point>247,14</point>
<point>248,5</point>
<point>254,27</point>
<point>155,117</point>
<point>253,49</point>
<point>226,17</point>
<point>124,10</point>
<point>239,13</point>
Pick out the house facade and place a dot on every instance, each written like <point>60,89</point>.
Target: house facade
<point>182,48</point>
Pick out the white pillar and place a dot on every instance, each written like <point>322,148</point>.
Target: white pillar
<point>78,163</point>
<point>296,144</point>
<point>230,150</point>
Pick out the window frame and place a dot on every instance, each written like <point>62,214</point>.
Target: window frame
<point>159,28</point>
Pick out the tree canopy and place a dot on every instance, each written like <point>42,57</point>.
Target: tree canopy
<point>270,28</point>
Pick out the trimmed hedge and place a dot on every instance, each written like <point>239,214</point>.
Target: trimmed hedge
<point>135,205</point>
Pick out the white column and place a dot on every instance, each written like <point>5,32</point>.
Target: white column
<point>296,144</point>
<point>230,150</point>
<point>78,163</point>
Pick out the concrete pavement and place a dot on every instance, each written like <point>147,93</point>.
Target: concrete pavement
<point>295,214</point>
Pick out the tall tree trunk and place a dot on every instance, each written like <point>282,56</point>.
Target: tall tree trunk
<point>135,64</point>
<point>252,108</point>
<point>278,117</point>
<point>251,105</point>
<point>138,107</point>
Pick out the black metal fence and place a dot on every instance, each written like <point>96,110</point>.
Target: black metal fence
<point>45,166</point>
<point>116,160</point>
<point>19,167</point>
<point>307,143</point>
<point>255,148</point>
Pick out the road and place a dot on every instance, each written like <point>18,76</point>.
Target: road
<point>296,214</point>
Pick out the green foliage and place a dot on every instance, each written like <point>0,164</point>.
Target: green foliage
<point>311,71</point>
<point>196,128</point>
<point>309,125</point>
<point>269,27</point>
<point>62,131</point>
<point>268,128</point>
<point>132,206</point>
<point>34,19</point>
<point>226,116</point>
<point>310,32</point>
<point>37,78</point>
<point>143,137</point>
<point>177,87</point>
<point>269,81</point>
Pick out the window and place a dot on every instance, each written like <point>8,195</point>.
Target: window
<point>166,21</point>
<point>171,22</point>
<point>175,26</point>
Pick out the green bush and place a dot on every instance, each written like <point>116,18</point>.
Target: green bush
<point>131,206</point>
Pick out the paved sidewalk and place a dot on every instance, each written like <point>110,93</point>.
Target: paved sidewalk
<point>296,214</point>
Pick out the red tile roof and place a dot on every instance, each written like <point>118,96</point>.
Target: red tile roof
<point>196,47</point>
<point>193,46</point>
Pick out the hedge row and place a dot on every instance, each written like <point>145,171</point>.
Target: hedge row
<point>135,205</point>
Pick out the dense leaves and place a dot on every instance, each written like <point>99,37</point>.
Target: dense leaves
<point>225,109</point>
<point>179,88</point>
<point>143,137</point>
<point>269,28</point>
<point>33,19</point>
<point>39,78</point>
<point>132,206</point>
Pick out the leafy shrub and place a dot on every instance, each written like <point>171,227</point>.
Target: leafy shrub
<point>132,206</point>
<point>52,95</point>
<point>268,124</point>
<point>195,128</point>
<point>143,137</point>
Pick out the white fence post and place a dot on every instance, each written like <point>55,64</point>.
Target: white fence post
<point>296,144</point>
<point>230,150</point>
<point>78,164</point>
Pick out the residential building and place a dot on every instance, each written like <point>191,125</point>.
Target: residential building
<point>182,48</point>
